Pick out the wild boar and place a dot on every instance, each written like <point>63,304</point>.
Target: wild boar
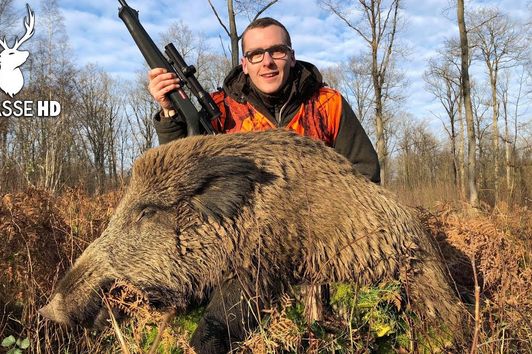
<point>263,210</point>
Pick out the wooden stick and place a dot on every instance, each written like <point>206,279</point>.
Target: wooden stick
<point>166,318</point>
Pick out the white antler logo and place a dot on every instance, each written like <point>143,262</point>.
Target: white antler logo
<point>11,79</point>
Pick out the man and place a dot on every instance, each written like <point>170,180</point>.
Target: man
<point>271,89</point>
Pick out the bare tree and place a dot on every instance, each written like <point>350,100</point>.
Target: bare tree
<point>377,26</point>
<point>97,118</point>
<point>358,87</point>
<point>213,74</point>
<point>443,82</point>
<point>40,147</point>
<point>256,6</point>
<point>418,155</point>
<point>461,146</point>
<point>481,106</point>
<point>4,132</point>
<point>6,20</point>
<point>500,46</point>
<point>51,60</point>
<point>52,77</point>
<point>211,68</point>
<point>333,76</point>
<point>508,139</point>
<point>511,118</point>
<point>466,93</point>
<point>454,56</point>
<point>190,45</point>
<point>140,111</point>
<point>7,17</point>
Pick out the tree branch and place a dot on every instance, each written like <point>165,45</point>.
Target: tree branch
<point>264,9</point>
<point>219,19</point>
<point>345,20</point>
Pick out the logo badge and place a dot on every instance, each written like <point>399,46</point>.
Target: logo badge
<point>11,58</point>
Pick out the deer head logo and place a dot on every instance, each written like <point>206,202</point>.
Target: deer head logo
<point>11,79</point>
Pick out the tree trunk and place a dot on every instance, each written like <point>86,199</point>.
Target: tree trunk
<point>461,149</point>
<point>379,120</point>
<point>453,150</point>
<point>466,92</point>
<point>233,34</point>
<point>495,131</point>
<point>508,150</point>
<point>4,127</point>
<point>379,125</point>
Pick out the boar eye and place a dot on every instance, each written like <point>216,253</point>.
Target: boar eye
<point>146,213</point>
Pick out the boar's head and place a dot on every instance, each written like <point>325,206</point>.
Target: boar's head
<point>170,236</point>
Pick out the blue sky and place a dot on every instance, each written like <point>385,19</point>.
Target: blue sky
<point>98,36</point>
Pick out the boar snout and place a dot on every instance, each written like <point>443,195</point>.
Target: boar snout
<point>54,311</point>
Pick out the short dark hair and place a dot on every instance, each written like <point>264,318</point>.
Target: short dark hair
<point>265,22</point>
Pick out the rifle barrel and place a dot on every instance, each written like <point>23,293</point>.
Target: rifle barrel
<point>155,59</point>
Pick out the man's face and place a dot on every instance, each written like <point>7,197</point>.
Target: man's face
<point>270,75</point>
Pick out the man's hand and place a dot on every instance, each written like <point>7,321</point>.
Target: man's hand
<point>162,82</point>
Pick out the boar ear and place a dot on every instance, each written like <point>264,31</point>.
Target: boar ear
<point>224,184</point>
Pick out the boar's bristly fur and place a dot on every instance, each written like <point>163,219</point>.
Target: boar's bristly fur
<point>269,209</point>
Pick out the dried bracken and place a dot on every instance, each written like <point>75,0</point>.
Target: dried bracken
<point>499,247</point>
<point>280,333</point>
<point>41,234</point>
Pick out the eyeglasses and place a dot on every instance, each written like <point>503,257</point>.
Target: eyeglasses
<point>279,51</point>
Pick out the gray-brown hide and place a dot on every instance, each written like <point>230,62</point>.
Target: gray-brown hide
<point>270,208</point>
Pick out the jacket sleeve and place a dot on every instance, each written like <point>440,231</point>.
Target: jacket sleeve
<point>353,143</point>
<point>169,129</point>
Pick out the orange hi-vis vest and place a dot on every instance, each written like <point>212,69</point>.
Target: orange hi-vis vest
<point>318,118</point>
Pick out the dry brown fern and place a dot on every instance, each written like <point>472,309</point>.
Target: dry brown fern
<point>499,246</point>
<point>280,334</point>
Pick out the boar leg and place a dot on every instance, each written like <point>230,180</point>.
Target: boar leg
<point>227,320</point>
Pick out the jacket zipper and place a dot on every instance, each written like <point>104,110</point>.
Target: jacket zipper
<point>279,113</point>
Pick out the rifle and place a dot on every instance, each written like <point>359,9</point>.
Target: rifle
<point>176,64</point>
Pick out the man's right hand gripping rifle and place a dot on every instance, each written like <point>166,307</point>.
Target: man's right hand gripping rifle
<point>169,76</point>
<point>161,82</point>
